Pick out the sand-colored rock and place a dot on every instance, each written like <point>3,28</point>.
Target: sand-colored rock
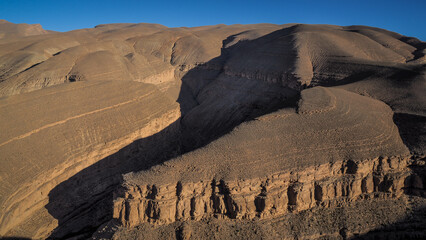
<point>329,148</point>
<point>9,30</point>
<point>224,131</point>
<point>59,131</point>
<point>293,55</point>
<point>381,217</point>
<point>326,185</point>
<point>329,125</point>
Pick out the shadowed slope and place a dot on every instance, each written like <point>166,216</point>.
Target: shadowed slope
<point>206,121</point>
<point>330,125</point>
<point>403,90</point>
<point>59,131</point>
<point>337,148</point>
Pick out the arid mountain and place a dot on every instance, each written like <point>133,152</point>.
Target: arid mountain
<point>10,30</point>
<point>229,132</point>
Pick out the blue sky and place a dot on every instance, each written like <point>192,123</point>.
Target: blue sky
<point>407,17</point>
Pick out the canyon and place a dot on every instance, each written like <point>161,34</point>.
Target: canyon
<point>262,131</point>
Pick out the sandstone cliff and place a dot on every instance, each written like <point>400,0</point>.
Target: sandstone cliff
<point>279,162</point>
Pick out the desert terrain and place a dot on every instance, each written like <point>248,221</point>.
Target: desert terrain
<point>262,131</point>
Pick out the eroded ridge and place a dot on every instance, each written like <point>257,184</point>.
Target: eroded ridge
<point>326,185</point>
<point>82,125</point>
<point>293,55</point>
<point>283,164</point>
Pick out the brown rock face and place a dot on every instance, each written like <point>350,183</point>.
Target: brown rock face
<point>327,185</point>
<point>244,131</point>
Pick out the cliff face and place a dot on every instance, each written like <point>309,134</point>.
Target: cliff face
<point>326,185</point>
<point>275,168</point>
<point>281,164</point>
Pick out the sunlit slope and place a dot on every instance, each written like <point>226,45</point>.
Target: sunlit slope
<point>293,55</point>
<point>51,134</point>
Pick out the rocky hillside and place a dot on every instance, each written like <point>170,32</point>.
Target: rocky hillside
<point>241,131</point>
<point>9,31</point>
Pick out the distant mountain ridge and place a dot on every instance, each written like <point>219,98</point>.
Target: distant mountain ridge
<point>12,30</point>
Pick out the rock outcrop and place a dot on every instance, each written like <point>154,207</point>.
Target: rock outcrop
<point>275,167</point>
<point>326,185</point>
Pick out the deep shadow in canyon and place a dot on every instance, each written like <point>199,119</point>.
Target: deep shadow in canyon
<point>84,202</point>
<point>412,129</point>
<point>411,227</point>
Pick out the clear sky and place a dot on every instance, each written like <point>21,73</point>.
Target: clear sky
<point>407,17</point>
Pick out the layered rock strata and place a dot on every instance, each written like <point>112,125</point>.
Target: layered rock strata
<point>81,125</point>
<point>327,185</point>
<point>281,162</point>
